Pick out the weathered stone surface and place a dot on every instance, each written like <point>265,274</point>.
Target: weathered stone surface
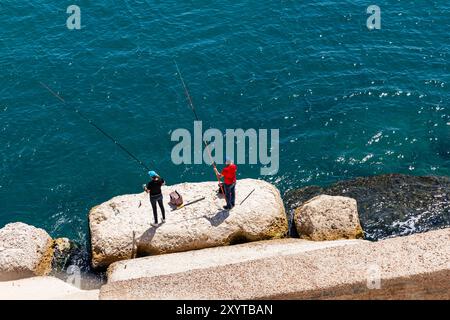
<point>411,267</point>
<point>43,288</point>
<point>328,218</point>
<point>25,251</point>
<point>213,257</point>
<point>121,227</point>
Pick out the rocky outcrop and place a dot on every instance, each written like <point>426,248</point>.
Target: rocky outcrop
<point>328,218</point>
<point>411,267</point>
<point>121,228</point>
<point>25,251</point>
<point>388,205</point>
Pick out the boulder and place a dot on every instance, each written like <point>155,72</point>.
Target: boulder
<point>328,218</point>
<point>25,251</point>
<point>121,227</point>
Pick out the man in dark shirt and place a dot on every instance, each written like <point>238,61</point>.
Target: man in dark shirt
<point>229,175</point>
<point>154,189</point>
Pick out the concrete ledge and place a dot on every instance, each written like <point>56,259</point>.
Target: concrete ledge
<point>153,266</point>
<point>43,288</point>
<point>412,267</point>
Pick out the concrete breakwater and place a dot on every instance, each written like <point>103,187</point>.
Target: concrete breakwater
<point>411,267</point>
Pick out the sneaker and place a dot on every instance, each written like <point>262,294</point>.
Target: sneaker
<point>163,221</point>
<point>155,224</point>
<point>226,207</point>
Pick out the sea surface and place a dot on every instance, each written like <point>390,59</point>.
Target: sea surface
<point>348,102</point>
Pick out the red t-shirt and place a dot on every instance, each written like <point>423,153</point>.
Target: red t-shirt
<point>229,174</point>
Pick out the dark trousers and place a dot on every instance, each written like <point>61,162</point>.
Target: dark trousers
<point>230,194</point>
<point>157,199</point>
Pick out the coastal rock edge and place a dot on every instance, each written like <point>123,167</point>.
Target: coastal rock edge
<point>121,227</point>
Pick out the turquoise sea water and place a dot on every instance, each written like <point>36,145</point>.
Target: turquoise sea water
<point>348,101</point>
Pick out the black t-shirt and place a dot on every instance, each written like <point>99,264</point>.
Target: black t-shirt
<point>155,186</point>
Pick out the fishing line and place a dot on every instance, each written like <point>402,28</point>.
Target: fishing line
<point>191,104</point>
<point>85,118</point>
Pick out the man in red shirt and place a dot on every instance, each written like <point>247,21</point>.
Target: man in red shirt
<point>229,186</point>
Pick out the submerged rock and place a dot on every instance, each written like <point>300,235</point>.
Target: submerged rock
<point>25,251</point>
<point>389,205</point>
<point>62,250</point>
<point>121,228</point>
<point>328,218</point>
<point>72,259</point>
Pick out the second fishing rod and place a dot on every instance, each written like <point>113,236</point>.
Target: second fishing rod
<point>191,104</point>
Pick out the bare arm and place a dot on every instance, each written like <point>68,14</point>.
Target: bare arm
<point>219,175</point>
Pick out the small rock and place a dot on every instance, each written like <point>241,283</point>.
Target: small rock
<point>62,251</point>
<point>328,218</point>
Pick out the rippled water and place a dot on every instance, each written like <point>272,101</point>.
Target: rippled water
<point>348,102</point>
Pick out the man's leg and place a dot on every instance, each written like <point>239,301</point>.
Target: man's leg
<point>233,194</point>
<point>161,205</point>
<point>227,190</point>
<point>155,212</point>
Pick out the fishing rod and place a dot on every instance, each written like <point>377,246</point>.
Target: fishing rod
<point>191,104</point>
<point>247,196</point>
<point>85,118</point>
<point>189,203</point>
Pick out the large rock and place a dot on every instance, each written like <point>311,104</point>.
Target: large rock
<point>25,251</point>
<point>328,218</point>
<point>121,228</point>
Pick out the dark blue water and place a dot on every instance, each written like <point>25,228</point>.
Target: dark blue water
<point>348,101</point>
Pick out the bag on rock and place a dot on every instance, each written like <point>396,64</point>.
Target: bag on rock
<point>176,199</point>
